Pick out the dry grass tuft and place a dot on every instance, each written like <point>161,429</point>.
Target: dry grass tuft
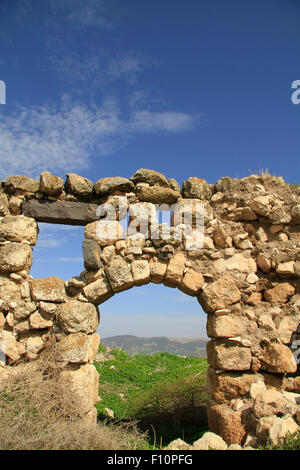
<point>38,412</point>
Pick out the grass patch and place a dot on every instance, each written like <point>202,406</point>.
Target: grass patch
<point>159,390</point>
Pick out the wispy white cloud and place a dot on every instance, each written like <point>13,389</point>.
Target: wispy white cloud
<point>150,121</point>
<point>67,137</point>
<point>83,13</point>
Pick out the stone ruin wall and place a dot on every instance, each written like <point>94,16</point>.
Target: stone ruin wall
<point>246,278</point>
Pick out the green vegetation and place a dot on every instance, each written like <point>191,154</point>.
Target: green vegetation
<point>162,391</point>
<point>290,442</point>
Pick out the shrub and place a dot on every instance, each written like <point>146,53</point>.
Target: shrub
<point>38,412</point>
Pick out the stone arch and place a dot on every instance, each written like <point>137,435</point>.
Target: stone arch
<point>245,274</point>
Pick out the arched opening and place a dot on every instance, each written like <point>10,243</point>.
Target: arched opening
<point>152,362</point>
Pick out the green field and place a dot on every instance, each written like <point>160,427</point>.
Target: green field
<point>165,393</point>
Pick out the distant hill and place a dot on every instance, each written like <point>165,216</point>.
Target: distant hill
<point>190,347</point>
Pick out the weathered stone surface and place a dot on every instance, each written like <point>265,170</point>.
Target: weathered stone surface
<point>158,195</point>
<point>220,238</point>
<point>273,428</point>
<point>237,262</point>
<point>243,214</point>
<point>91,255</point>
<point>15,257</point>
<point>142,217</point>
<point>140,272</point>
<point>296,214</point>
<point>286,268</point>
<point>49,308</point>
<point>78,185</point>
<point>196,188</point>
<point>158,270</point>
<point>83,383</point>
<point>192,282</point>
<point>219,294</point>
<point>34,345</point>
<point>19,228</point>
<point>75,316</point>
<point>227,326</point>
<point>269,403</point>
<point>4,210</point>
<point>230,425</point>
<point>21,183</point>
<point>261,205</point>
<point>105,232</point>
<point>153,178</point>
<point>9,345</point>
<point>51,289</point>
<point>38,321</point>
<point>175,270</point>
<point>98,291</point>
<point>50,185</point>
<point>264,263</point>
<point>229,385</point>
<point>78,348</point>
<point>119,274</point>
<point>279,359</point>
<point>228,356</point>
<point>106,186</point>
<point>210,441</point>
<point>280,293</point>
<point>174,184</point>
<point>178,444</point>
<point>60,212</point>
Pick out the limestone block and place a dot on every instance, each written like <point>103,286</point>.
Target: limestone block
<point>105,232</point>
<point>106,186</point>
<point>178,444</point>
<point>50,185</point>
<point>264,263</point>
<point>228,385</point>
<point>196,188</point>
<point>296,214</point>
<point>78,185</point>
<point>280,293</point>
<point>228,356</point>
<point>39,321</point>
<point>269,403</point>
<point>219,294</point>
<point>83,383</point>
<point>231,425</point>
<point>21,183</point>
<point>34,346</point>
<point>210,441</point>
<point>8,345</point>
<point>140,272</point>
<point>175,270</point>
<point>153,178</point>
<point>75,316</point>
<point>226,326</point>
<point>119,274</point>
<point>158,195</point>
<point>286,268</point>
<point>4,210</point>
<point>237,262</point>
<point>98,291</point>
<point>279,359</point>
<point>15,257</point>
<point>78,348</point>
<point>158,270</point>
<point>192,282</point>
<point>91,255</point>
<point>19,228</point>
<point>51,289</point>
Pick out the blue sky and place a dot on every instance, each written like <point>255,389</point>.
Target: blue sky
<point>187,88</point>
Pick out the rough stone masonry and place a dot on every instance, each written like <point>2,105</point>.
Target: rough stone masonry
<point>246,277</point>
